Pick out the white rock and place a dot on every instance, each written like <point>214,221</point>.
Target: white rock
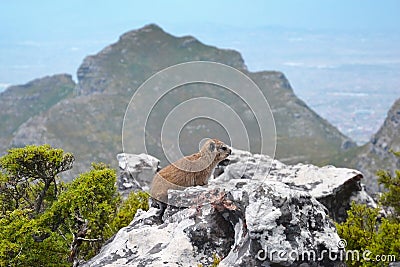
<point>256,207</point>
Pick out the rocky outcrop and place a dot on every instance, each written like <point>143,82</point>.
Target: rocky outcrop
<point>376,154</point>
<point>244,223</point>
<point>256,211</point>
<point>334,187</point>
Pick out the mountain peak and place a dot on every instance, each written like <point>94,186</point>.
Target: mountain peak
<point>149,28</point>
<point>149,48</point>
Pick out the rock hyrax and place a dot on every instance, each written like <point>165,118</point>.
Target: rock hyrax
<point>190,170</point>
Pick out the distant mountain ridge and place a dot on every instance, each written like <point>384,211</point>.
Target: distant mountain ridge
<point>86,118</point>
<point>376,154</point>
<point>21,103</point>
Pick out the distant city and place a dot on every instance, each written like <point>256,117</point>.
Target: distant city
<point>355,100</point>
<point>349,79</point>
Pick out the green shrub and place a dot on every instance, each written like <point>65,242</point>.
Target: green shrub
<point>365,230</point>
<point>128,209</point>
<point>29,177</point>
<point>46,223</point>
<point>84,210</point>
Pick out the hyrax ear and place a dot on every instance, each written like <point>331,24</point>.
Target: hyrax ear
<point>212,146</point>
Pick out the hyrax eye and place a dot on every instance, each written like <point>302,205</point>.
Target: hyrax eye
<point>224,148</point>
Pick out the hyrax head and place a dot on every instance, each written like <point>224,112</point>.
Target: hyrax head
<point>218,149</point>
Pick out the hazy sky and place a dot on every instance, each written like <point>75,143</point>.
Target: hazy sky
<point>65,19</point>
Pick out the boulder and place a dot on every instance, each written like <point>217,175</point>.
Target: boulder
<point>135,172</point>
<point>256,211</point>
<point>245,223</point>
<point>334,187</point>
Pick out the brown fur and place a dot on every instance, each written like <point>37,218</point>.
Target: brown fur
<point>189,171</point>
